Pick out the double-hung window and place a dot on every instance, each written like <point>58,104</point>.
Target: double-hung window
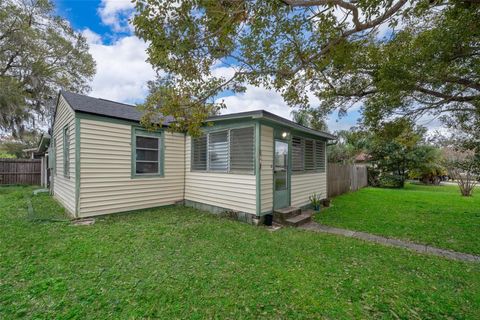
<point>147,149</point>
<point>230,150</point>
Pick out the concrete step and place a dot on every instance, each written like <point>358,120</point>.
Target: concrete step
<point>298,220</point>
<point>280,215</point>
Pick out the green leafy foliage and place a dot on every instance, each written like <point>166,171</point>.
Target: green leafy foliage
<point>4,155</point>
<point>16,146</point>
<point>397,148</point>
<point>424,61</point>
<point>310,118</point>
<point>315,200</point>
<point>40,54</point>
<point>429,165</point>
<point>349,144</point>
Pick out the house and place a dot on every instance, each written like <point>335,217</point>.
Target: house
<point>251,163</point>
<point>40,152</point>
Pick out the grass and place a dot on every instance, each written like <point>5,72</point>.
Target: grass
<point>180,263</point>
<point>434,215</point>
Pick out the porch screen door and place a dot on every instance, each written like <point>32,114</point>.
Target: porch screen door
<point>280,175</point>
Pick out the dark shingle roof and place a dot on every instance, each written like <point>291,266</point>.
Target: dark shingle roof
<point>82,103</point>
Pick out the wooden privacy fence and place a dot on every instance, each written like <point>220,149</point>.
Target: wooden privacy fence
<point>20,171</point>
<point>343,178</point>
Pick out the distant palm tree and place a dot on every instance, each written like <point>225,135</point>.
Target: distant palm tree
<point>309,118</point>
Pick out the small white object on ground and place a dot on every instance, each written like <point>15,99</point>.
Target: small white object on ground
<point>83,222</point>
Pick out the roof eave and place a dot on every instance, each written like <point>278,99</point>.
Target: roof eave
<point>261,114</point>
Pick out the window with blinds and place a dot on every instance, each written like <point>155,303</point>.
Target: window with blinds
<point>231,150</point>
<point>199,153</point>
<point>297,154</point>
<point>308,155</point>
<point>218,151</point>
<point>242,150</point>
<point>320,155</point>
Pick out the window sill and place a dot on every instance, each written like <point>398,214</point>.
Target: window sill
<point>147,176</point>
<point>245,173</point>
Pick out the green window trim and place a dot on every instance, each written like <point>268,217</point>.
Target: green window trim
<point>53,156</point>
<point>66,152</point>
<point>139,132</point>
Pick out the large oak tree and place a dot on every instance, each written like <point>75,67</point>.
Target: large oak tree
<point>394,57</point>
<point>40,54</point>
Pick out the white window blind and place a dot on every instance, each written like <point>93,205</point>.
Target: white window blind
<point>218,151</point>
<point>231,150</point>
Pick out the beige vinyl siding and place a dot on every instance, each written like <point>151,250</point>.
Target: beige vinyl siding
<point>305,184</point>
<point>266,176</point>
<point>64,187</point>
<point>106,185</point>
<point>226,190</point>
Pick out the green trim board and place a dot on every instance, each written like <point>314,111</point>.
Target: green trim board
<point>283,133</point>
<point>94,117</point>
<point>66,151</point>
<point>228,124</point>
<point>137,131</point>
<point>270,117</point>
<point>258,168</point>
<point>77,167</point>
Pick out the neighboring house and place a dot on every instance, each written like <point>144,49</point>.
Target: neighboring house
<point>250,162</point>
<point>40,152</point>
<point>363,158</point>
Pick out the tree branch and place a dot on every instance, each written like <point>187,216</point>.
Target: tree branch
<point>465,82</point>
<point>447,96</point>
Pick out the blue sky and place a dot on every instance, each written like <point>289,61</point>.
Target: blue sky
<point>122,70</point>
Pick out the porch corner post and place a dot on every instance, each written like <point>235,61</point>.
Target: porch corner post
<point>77,166</point>
<point>258,167</point>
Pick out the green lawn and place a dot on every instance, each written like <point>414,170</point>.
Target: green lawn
<point>435,215</point>
<point>181,263</point>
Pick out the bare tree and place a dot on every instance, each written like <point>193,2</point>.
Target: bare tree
<point>464,168</point>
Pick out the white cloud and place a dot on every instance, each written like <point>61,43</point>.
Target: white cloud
<point>92,37</point>
<point>116,14</point>
<point>256,98</point>
<point>122,70</point>
<point>259,98</point>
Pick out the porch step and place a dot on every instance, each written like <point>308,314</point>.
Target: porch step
<point>299,220</point>
<point>280,215</point>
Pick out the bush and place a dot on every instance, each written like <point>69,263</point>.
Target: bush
<point>373,176</point>
<point>391,181</point>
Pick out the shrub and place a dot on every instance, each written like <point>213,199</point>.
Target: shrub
<point>391,181</point>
